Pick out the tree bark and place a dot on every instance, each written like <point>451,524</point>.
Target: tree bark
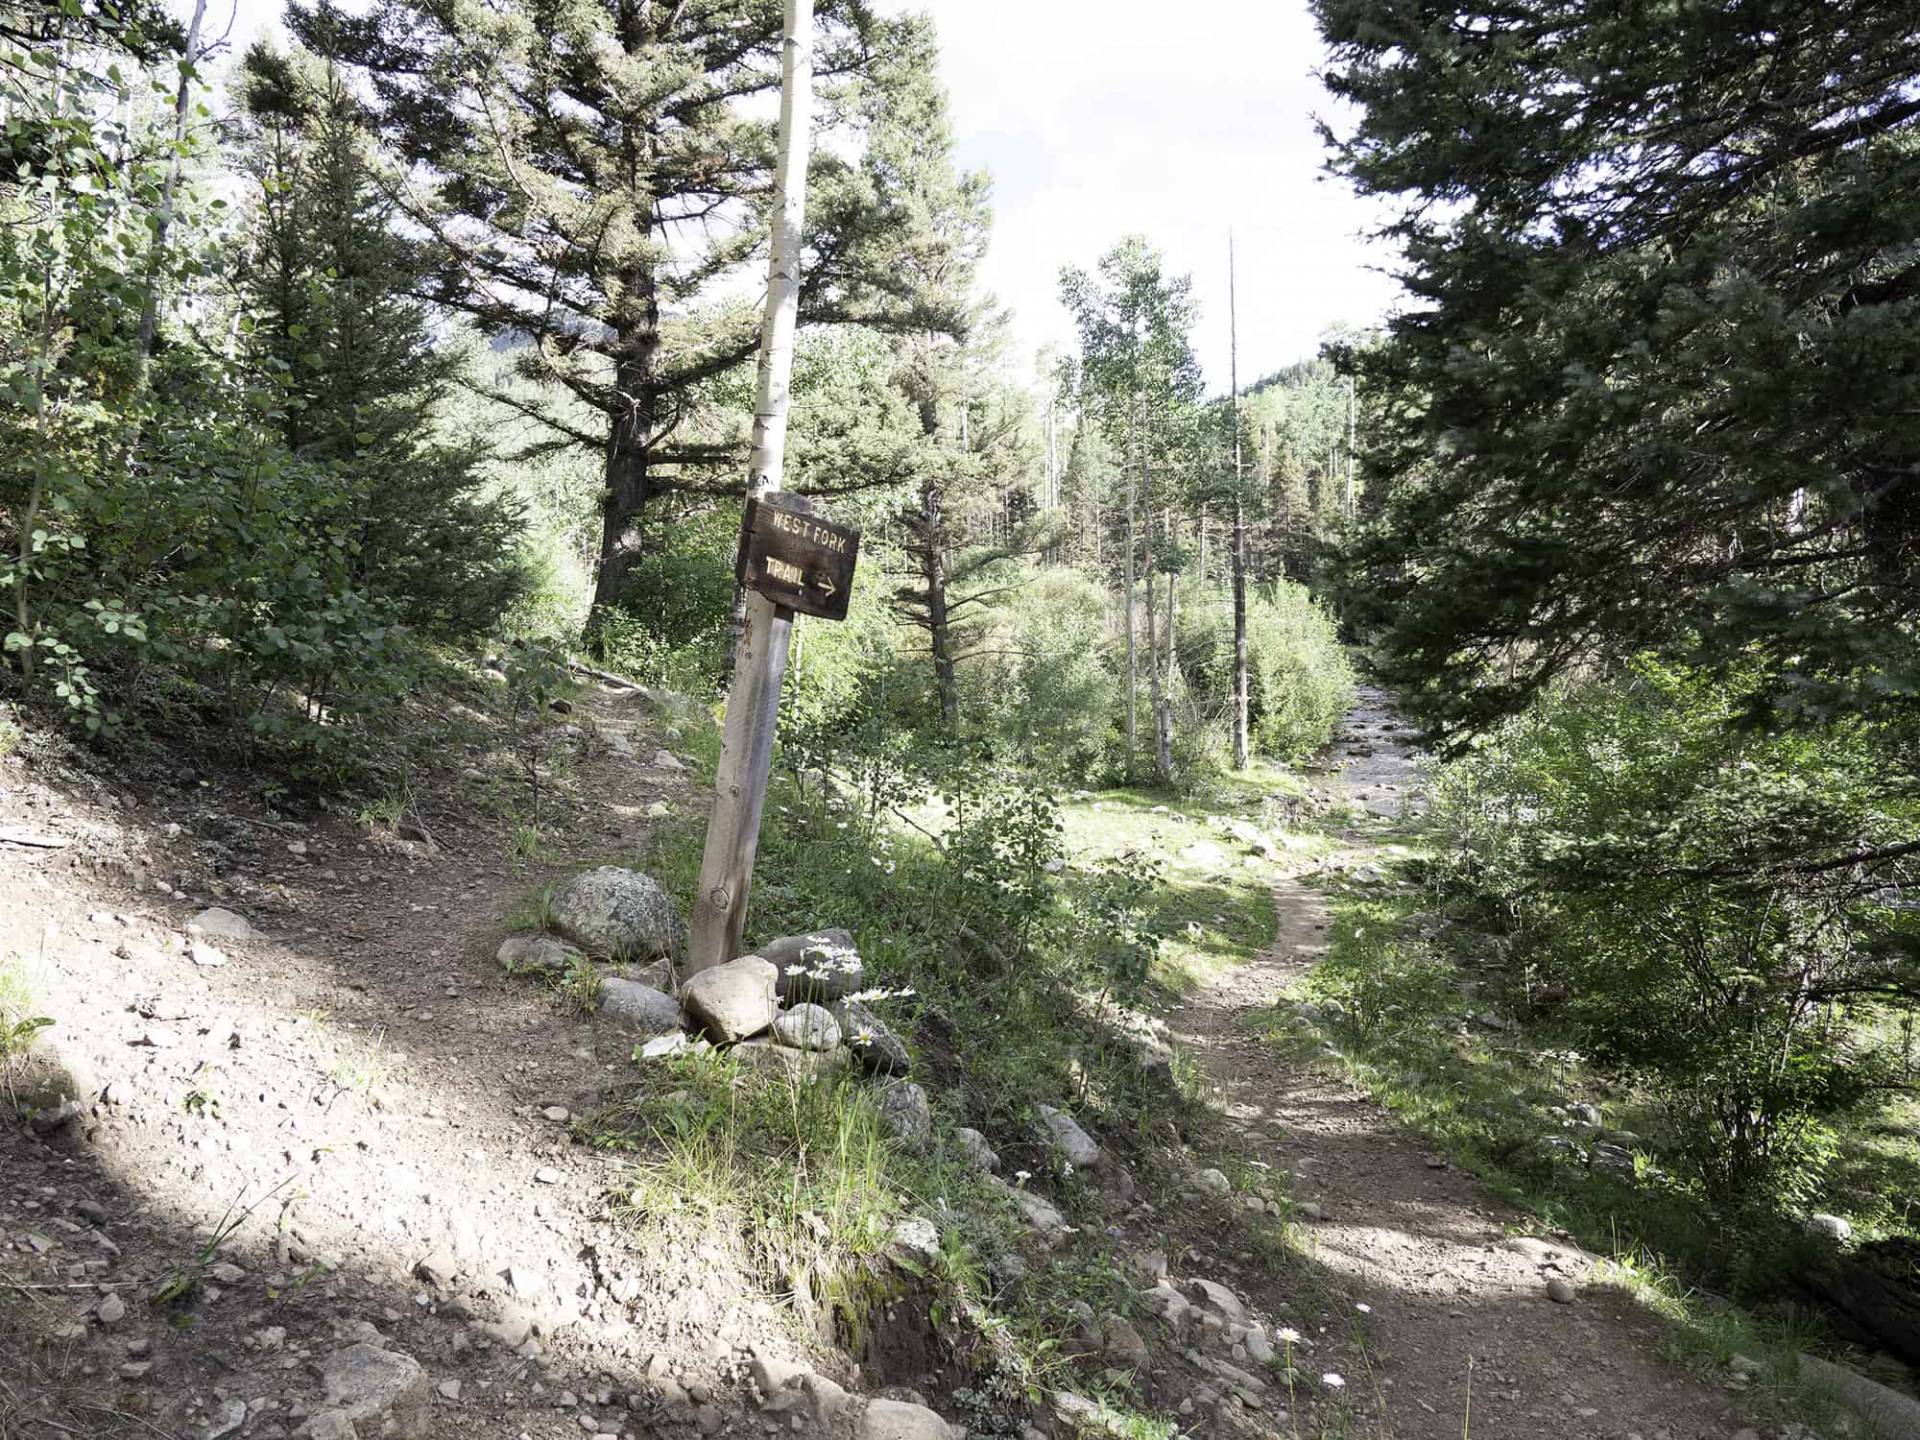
<point>1126,608</point>
<point>933,567</point>
<point>629,448</point>
<point>1241,685</point>
<point>150,303</point>
<point>1162,747</point>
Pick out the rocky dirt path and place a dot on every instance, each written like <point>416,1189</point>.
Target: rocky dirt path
<point>343,1126</point>
<point>1473,1325</point>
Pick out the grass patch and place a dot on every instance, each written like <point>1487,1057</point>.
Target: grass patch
<point>19,1025</point>
<point>1214,905</point>
<point>1002,1005</point>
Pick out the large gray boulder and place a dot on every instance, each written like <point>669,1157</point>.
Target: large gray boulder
<point>820,966</point>
<point>735,1000</point>
<point>639,1008</point>
<point>876,1049</point>
<point>618,915</point>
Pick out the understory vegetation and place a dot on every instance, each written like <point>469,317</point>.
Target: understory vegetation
<point>363,390</point>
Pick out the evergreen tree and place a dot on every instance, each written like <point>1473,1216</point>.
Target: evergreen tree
<point>595,173</point>
<point>362,380</point>
<point>1659,388</point>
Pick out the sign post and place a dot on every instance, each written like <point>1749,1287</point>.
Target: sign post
<point>791,560</point>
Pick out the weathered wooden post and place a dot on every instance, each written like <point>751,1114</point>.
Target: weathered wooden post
<point>790,559</point>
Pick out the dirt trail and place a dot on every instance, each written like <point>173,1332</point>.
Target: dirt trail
<point>1457,1288</point>
<point>361,1078</point>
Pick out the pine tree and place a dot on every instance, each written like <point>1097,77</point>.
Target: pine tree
<point>595,174</point>
<point>361,379</point>
<point>1659,385</point>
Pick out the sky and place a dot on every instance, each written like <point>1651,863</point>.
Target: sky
<point>1102,118</point>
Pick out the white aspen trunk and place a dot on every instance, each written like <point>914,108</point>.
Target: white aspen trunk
<point>1241,685</point>
<point>150,303</point>
<point>760,658</point>
<point>1126,606</point>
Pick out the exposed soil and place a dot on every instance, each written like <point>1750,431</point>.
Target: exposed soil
<point>1455,1284</point>
<point>359,1090</point>
<point>355,1127</point>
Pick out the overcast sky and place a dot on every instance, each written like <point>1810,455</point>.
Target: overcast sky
<point>1100,118</point>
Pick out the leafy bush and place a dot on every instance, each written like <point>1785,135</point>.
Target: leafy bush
<point>1720,908</point>
<point>671,626</point>
<point>1046,691</point>
<point>1300,681</point>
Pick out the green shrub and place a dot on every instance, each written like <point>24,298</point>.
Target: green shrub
<point>1704,898</point>
<point>1044,689</point>
<point>671,625</point>
<point>1300,681</point>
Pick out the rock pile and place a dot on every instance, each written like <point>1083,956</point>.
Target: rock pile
<point>793,1005</point>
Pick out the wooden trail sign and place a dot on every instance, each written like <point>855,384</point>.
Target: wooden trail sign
<point>796,557</point>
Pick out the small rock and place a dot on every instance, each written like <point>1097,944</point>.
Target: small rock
<point>112,1310</point>
<point>735,1000</point>
<point>547,1175</point>
<point>915,1237</point>
<point>1560,1291</point>
<point>206,956</point>
<point>1309,1210</point>
<point>559,1114</point>
<point>770,1373</point>
<point>1124,1344</point>
<point>979,1155</point>
<point>370,1385</point>
<point>439,1269</point>
<point>639,1008</point>
<point>330,1425</point>
<point>227,1420</point>
<point>1829,1227</point>
<point>876,1049</point>
<point>535,954</point>
<point>1210,1182</point>
<point>905,1111</point>
<point>807,1027</point>
<point>222,924</point>
<point>1066,1137</point>
<point>662,1046</point>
